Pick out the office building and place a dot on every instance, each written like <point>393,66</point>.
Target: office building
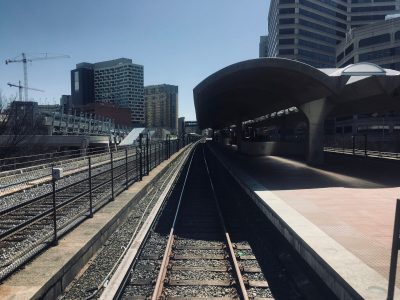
<point>181,126</point>
<point>378,43</point>
<point>82,84</point>
<point>66,102</point>
<point>118,82</point>
<point>162,106</point>
<point>310,30</point>
<point>365,12</point>
<point>263,46</point>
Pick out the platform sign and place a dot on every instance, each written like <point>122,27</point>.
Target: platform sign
<point>57,173</point>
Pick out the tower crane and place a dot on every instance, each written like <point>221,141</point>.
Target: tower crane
<point>20,87</point>
<point>24,59</point>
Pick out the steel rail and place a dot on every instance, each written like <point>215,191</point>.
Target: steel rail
<point>167,254</point>
<point>59,206</point>
<point>80,170</point>
<point>25,203</point>
<point>114,287</point>
<point>79,216</point>
<point>106,278</point>
<point>238,273</point>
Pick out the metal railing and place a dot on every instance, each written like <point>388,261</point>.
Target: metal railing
<point>19,162</point>
<point>364,152</point>
<point>123,169</point>
<point>83,197</point>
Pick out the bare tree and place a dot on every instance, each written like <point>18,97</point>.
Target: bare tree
<point>4,117</point>
<point>18,121</point>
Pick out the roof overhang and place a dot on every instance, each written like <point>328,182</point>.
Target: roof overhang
<point>257,87</point>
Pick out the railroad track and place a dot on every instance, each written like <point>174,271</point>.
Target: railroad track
<point>28,227</point>
<point>33,177</point>
<point>190,252</point>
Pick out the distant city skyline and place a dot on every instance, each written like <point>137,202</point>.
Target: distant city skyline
<point>178,42</point>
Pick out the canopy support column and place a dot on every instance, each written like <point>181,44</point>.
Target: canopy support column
<point>239,135</point>
<point>316,112</point>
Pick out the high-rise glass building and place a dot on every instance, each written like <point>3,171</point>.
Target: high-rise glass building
<point>378,43</point>
<point>310,30</point>
<point>162,106</point>
<point>119,82</point>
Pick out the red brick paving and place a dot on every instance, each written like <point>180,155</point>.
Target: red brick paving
<point>352,201</point>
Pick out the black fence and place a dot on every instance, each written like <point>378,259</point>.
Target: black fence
<point>363,145</point>
<point>93,187</point>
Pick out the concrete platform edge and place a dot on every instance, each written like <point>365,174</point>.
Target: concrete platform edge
<point>342,288</point>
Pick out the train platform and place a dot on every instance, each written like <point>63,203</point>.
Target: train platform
<point>339,217</point>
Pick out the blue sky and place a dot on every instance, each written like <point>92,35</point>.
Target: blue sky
<point>179,42</point>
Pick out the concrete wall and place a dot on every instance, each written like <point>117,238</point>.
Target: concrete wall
<point>273,148</point>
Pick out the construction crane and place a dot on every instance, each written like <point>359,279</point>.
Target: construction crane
<point>24,59</point>
<point>20,87</point>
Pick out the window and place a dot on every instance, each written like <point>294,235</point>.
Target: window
<point>326,10</point>
<point>284,11</point>
<point>379,54</point>
<point>340,57</point>
<point>397,36</point>
<point>348,62</point>
<point>286,41</point>
<point>318,36</point>
<point>76,81</point>
<point>317,56</point>
<point>321,28</point>
<point>383,38</point>
<point>349,49</point>
<point>368,18</point>
<point>321,18</point>
<point>286,21</point>
<point>316,46</point>
<point>286,31</point>
<point>372,8</point>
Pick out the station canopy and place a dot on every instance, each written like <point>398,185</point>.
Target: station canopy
<point>257,87</point>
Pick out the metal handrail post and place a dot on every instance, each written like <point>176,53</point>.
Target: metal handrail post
<point>395,251</point>
<point>140,156</point>
<point>126,169</point>
<point>163,150</point>
<point>112,175</point>
<point>147,155</point>
<point>90,189</point>
<point>55,239</point>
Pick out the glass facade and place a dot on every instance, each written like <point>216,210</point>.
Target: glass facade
<point>312,30</point>
<point>375,55</point>
<point>374,40</point>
